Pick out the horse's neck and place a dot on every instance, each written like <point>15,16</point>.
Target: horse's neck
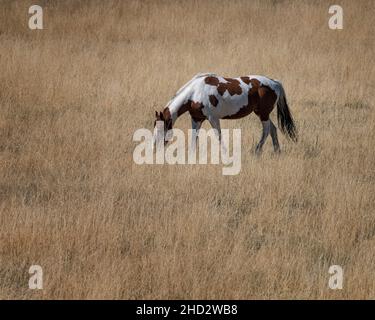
<point>179,104</point>
<point>175,109</point>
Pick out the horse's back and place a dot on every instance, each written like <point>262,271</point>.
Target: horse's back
<point>225,97</point>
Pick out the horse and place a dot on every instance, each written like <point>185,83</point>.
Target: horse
<point>211,97</point>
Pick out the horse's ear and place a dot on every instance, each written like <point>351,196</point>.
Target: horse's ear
<point>156,114</point>
<point>161,116</point>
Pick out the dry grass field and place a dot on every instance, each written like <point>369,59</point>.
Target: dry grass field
<point>73,201</point>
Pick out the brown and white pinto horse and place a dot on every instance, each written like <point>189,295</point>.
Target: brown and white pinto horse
<point>212,97</point>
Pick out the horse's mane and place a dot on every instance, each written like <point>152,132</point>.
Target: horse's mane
<point>198,75</point>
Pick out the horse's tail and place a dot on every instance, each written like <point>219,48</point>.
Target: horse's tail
<point>284,117</point>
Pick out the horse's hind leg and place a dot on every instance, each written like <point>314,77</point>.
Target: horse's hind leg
<point>266,130</point>
<point>263,110</point>
<point>275,141</point>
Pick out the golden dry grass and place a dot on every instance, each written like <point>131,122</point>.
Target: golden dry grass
<point>73,201</point>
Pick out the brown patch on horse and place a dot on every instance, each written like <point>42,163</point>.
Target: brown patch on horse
<point>212,81</point>
<point>166,117</point>
<point>261,100</point>
<point>185,107</point>
<point>255,83</point>
<point>166,113</point>
<point>243,112</point>
<point>246,80</point>
<point>232,85</point>
<point>252,102</point>
<point>267,99</point>
<point>253,95</point>
<point>195,110</point>
<point>213,100</point>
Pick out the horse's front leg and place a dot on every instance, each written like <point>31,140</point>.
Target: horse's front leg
<point>195,125</point>
<point>215,123</point>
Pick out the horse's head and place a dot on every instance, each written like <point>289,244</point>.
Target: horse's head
<point>162,124</point>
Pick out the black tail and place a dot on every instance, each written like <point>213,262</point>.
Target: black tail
<point>284,117</point>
